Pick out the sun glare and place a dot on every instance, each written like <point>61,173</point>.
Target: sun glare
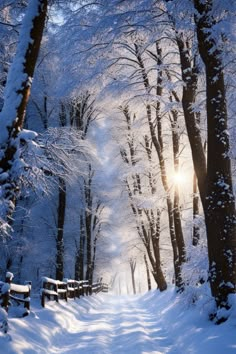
<point>179,178</point>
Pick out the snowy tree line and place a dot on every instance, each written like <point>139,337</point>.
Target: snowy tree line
<point>159,75</point>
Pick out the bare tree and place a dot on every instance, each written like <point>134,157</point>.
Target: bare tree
<point>147,220</point>
<point>176,234</point>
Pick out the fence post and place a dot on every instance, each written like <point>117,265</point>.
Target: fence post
<point>6,290</point>
<point>27,303</point>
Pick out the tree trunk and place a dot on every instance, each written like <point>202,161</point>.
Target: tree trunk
<point>154,226</point>
<point>158,145</point>
<point>88,225</point>
<point>220,202</point>
<point>150,236</point>
<point>17,94</point>
<point>149,232</point>
<point>177,213</point>
<point>132,264</point>
<point>94,252</point>
<point>88,246</point>
<point>60,230</point>
<point>196,229</point>
<point>148,273</point>
<point>81,114</point>
<point>155,237</point>
<point>190,78</point>
<point>79,259</point>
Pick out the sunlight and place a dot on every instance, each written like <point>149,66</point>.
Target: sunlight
<point>179,178</point>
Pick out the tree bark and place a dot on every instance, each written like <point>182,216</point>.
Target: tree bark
<point>60,230</point>
<point>61,211</point>
<point>220,202</point>
<point>156,138</point>
<point>177,213</point>
<point>132,264</point>
<point>158,144</point>
<point>149,231</point>
<point>88,225</point>
<point>190,79</point>
<point>196,229</point>
<point>148,273</point>
<point>82,113</point>
<point>17,96</point>
<point>79,258</point>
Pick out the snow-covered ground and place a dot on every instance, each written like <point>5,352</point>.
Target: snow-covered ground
<point>152,323</point>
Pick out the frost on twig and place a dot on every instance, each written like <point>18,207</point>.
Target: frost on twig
<point>40,160</point>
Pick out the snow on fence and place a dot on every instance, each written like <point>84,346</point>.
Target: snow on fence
<point>20,294</point>
<point>99,287</point>
<point>77,288</point>
<point>105,288</point>
<point>50,288</point>
<point>54,289</point>
<point>11,293</point>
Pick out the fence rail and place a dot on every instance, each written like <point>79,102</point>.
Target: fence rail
<point>16,292</point>
<point>54,289</point>
<point>51,289</point>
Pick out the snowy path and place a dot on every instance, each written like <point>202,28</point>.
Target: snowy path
<point>102,324</point>
<point>119,325</point>
<point>153,323</point>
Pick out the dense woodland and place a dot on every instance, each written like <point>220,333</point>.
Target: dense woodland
<point>117,131</point>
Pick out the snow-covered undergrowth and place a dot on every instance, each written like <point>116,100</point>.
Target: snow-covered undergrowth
<point>152,323</point>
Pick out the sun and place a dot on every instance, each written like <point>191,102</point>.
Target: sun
<point>179,178</point>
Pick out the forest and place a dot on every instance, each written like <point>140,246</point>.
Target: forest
<point>117,155</point>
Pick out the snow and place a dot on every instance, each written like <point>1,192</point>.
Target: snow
<point>5,288</point>
<point>50,280</point>
<point>27,135</point>
<point>9,275</point>
<point>20,288</point>
<point>17,75</point>
<point>48,292</point>
<point>153,323</point>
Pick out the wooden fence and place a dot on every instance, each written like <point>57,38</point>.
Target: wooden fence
<point>52,289</point>
<point>10,292</point>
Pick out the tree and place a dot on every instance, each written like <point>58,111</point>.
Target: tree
<point>82,113</point>
<point>138,187</point>
<point>147,271</point>
<point>11,13</point>
<point>175,228</point>
<point>78,113</point>
<point>196,229</point>
<point>61,212</point>
<point>132,264</point>
<point>80,251</point>
<point>219,202</point>
<point>17,93</point>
